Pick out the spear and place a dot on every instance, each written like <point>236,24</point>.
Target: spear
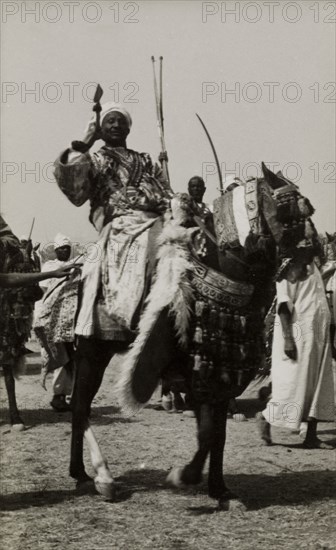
<point>159,113</point>
<point>161,94</point>
<point>31,229</point>
<point>221,187</point>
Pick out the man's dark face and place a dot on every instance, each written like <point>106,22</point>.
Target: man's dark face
<point>196,189</point>
<point>63,253</point>
<point>115,129</point>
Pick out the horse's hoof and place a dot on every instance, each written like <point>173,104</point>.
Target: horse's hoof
<point>107,489</point>
<point>226,499</point>
<point>19,427</point>
<point>230,504</point>
<point>174,478</point>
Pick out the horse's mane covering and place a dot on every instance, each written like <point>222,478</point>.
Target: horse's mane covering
<point>171,289</point>
<point>255,208</point>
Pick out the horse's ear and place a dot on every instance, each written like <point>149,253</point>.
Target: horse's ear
<point>329,237</point>
<point>271,178</point>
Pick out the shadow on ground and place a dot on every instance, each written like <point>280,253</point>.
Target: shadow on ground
<point>289,488</point>
<point>100,416</point>
<point>39,499</point>
<point>254,491</point>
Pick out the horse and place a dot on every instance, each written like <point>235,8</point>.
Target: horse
<point>204,315</point>
<point>17,306</point>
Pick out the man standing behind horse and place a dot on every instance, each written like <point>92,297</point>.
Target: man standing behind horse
<point>302,381</point>
<point>54,325</point>
<point>196,190</point>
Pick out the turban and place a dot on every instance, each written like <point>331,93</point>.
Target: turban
<point>111,106</point>
<point>61,240</point>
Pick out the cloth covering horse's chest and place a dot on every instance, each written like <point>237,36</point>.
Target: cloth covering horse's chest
<point>206,319</point>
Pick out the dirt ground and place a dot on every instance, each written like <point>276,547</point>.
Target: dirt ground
<point>286,494</point>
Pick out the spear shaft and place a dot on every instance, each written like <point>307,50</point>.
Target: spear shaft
<point>161,94</point>
<point>31,229</point>
<point>159,113</point>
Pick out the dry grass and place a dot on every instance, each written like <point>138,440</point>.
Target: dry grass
<point>287,493</point>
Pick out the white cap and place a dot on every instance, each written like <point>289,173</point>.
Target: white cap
<point>61,240</point>
<point>109,107</point>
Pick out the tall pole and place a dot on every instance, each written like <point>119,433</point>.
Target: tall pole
<point>221,186</point>
<point>31,229</point>
<point>159,114</point>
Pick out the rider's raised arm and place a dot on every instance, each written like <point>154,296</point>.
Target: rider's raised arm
<point>74,170</point>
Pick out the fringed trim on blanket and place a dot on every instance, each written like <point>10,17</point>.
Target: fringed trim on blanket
<point>170,288</point>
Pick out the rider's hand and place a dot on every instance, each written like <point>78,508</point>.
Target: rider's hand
<point>92,133</point>
<point>290,347</point>
<point>163,157</point>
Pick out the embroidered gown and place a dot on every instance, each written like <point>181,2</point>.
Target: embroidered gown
<point>127,193</point>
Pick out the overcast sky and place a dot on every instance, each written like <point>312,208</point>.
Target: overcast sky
<point>278,58</point>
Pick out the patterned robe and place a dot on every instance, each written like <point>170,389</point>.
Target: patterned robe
<point>55,317</point>
<point>127,194</point>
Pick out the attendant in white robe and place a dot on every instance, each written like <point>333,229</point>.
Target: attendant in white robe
<point>302,380</point>
<point>53,353</point>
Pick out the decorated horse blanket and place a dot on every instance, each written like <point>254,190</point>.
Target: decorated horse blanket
<point>206,313</point>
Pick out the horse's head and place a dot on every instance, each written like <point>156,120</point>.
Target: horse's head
<point>297,238</point>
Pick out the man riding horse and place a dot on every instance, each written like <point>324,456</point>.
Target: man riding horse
<point>214,312</point>
<point>128,193</point>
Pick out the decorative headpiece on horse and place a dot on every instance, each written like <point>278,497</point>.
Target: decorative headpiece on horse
<point>293,212</point>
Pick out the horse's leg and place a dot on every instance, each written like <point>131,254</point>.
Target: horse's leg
<point>191,474</point>
<point>216,485</point>
<point>14,414</point>
<point>90,363</point>
<point>104,482</point>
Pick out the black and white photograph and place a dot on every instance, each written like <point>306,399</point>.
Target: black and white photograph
<point>168,275</point>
